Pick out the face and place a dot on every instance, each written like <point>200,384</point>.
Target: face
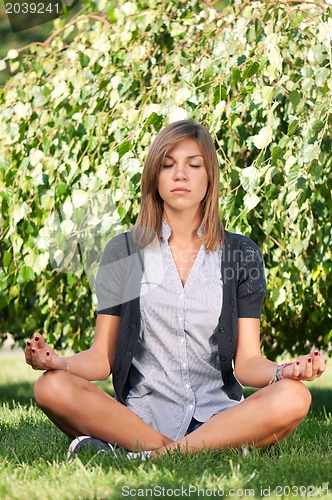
<point>183,180</point>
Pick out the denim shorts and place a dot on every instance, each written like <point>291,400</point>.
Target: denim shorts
<point>194,424</point>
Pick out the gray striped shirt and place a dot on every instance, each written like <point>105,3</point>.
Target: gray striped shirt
<point>175,373</point>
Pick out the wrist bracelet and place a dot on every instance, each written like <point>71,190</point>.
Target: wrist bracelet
<point>278,374</point>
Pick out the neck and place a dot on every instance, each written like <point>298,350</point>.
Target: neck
<point>184,227</point>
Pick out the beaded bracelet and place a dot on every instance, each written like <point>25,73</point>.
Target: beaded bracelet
<point>278,374</point>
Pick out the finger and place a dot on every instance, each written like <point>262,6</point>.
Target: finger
<point>27,352</point>
<point>322,367</point>
<point>33,351</point>
<point>38,341</point>
<point>48,360</point>
<point>296,369</point>
<point>318,365</point>
<point>315,356</point>
<point>308,368</point>
<point>36,359</point>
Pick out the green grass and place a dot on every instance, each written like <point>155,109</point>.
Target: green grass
<point>34,464</point>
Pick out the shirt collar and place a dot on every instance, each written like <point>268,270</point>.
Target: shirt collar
<point>166,230</point>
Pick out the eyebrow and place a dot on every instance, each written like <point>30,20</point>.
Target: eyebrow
<point>189,157</point>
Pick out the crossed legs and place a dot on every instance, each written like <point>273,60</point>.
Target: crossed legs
<point>78,407</point>
<point>263,418</point>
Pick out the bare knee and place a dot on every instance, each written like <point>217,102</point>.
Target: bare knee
<point>295,399</point>
<point>50,388</point>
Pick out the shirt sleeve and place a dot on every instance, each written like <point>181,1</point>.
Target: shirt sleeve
<point>109,281</point>
<point>251,287</point>
<point>118,279</point>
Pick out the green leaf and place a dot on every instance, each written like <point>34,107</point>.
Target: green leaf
<point>283,142</point>
<point>317,126</point>
<point>292,127</point>
<point>153,119</point>
<point>14,292</point>
<point>321,76</point>
<point>112,15</point>
<point>236,76</point>
<point>249,178</point>
<point>124,147</point>
<point>27,274</point>
<point>307,83</point>
<point>61,189</point>
<point>84,60</point>
<point>310,151</point>
<point>294,98</point>
<point>268,93</point>
<point>263,138</point>
<point>279,296</point>
<point>220,94</point>
<point>122,212</point>
<point>293,174</point>
<point>7,258</point>
<point>277,152</point>
<point>298,18</point>
<point>230,203</point>
<point>89,121</point>
<point>252,70</point>
<point>250,201</point>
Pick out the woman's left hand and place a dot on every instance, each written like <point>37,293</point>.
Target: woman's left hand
<point>308,367</point>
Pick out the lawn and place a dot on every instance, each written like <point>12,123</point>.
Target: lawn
<point>34,464</point>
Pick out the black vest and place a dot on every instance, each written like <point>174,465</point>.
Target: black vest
<point>243,293</point>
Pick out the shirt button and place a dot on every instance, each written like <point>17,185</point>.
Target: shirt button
<point>191,407</point>
<point>182,340</point>
<point>187,386</point>
<point>180,319</point>
<point>184,365</point>
<point>181,297</point>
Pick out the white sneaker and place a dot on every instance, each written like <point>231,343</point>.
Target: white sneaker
<point>143,455</point>
<point>90,443</point>
<point>99,446</point>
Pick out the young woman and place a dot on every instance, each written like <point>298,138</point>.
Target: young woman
<point>178,326</point>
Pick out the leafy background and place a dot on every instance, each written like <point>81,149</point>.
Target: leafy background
<point>78,114</point>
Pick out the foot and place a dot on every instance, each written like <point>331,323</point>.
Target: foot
<point>90,443</point>
<point>94,444</point>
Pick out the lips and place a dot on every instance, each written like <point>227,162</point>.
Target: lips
<point>180,190</point>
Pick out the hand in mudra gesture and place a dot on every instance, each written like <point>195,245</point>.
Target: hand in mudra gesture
<point>40,355</point>
<point>308,367</point>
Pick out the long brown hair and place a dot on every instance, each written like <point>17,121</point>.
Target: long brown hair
<point>149,219</point>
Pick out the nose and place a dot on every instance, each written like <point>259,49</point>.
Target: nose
<point>179,172</point>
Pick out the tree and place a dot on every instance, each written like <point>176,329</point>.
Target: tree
<point>82,109</point>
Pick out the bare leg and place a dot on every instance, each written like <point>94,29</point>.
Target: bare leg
<point>78,407</point>
<point>263,418</point>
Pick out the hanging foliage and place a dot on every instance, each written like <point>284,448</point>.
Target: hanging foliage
<point>79,114</point>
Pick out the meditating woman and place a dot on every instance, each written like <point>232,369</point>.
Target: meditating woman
<point>178,326</point>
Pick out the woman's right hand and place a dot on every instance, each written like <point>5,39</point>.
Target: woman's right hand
<point>41,356</point>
